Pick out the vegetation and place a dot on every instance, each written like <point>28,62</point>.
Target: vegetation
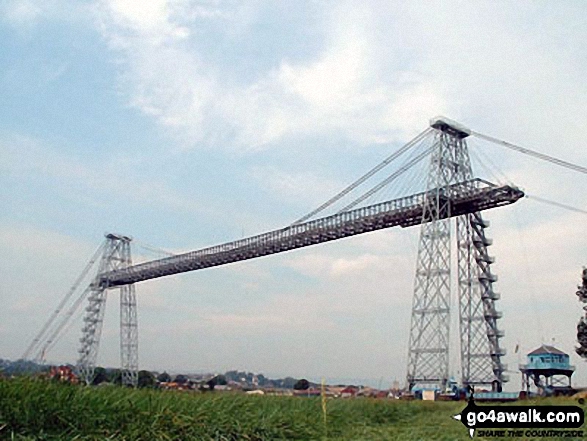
<point>21,367</point>
<point>259,379</point>
<point>164,377</point>
<point>302,384</point>
<point>39,409</point>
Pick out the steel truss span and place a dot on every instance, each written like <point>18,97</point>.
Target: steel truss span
<point>461,198</point>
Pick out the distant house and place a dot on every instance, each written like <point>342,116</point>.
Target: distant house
<point>334,391</point>
<point>234,385</point>
<point>255,392</point>
<point>172,385</point>
<point>382,394</point>
<point>278,391</point>
<point>349,391</point>
<point>311,392</point>
<point>63,373</point>
<point>370,392</point>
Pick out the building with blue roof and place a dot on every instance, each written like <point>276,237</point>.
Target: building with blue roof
<point>548,370</point>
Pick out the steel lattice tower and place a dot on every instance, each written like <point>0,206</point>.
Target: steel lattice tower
<point>428,358</point>
<point>129,335</point>
<point>116,256</point>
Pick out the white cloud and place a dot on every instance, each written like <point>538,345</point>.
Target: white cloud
<point>140,16</point>
<point>22,14</point>
<point>381,72</point>
<point>341,90</point>
<point>322,264</point>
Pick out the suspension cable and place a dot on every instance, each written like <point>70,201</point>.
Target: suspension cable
<point>556,204</point>
<point>54,337</point>
<point>152,248</point>
<point>544,157</point>
<point>484,160</point>
<point>61,305</point>
<point>41,357</point>
<point>387,180</point>
<point>366,176</point>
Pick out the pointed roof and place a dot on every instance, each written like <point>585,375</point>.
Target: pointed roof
<point>546,349</point>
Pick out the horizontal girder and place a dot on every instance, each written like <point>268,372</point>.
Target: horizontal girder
<point>464,197</point>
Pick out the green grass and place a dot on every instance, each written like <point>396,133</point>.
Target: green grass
<point>38,409</point>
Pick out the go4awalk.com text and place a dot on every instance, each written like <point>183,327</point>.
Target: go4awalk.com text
<point>522,421</point>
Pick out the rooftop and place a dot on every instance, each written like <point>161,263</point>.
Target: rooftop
<point>545,349</point>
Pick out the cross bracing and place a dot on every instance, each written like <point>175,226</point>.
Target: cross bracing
<point>117,254</point>
<point>429,345</point>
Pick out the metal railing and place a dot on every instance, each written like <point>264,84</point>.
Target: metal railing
<point>465,197</point>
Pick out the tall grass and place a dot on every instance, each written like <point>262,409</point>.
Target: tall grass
<point>37,409</point>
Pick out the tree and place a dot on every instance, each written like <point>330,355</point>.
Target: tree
<point>164,378</point>
<point>302,384</point>
<point>181,379</point>
<point>115,376</point>
<point>100,376</point>
<point>220,380</point>
<point>288,382</point>
<point>146,379</point>
<point>232,375</point>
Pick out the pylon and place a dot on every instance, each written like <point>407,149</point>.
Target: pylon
<point>116,255</point>
<point>429,344</point>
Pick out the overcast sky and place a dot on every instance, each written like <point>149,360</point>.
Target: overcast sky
<point>188,123</point>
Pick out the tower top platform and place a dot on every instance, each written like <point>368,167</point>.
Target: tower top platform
<point>449,126</point>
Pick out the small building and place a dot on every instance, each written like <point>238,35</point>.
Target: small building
<point>334,391</point>
<point>425,392</point>
<point>310,392</point>
<point>255,392</point>
<point>64,374</point>
<point>429,394</point>
<point>548,370</point>
<point>349,392</point>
